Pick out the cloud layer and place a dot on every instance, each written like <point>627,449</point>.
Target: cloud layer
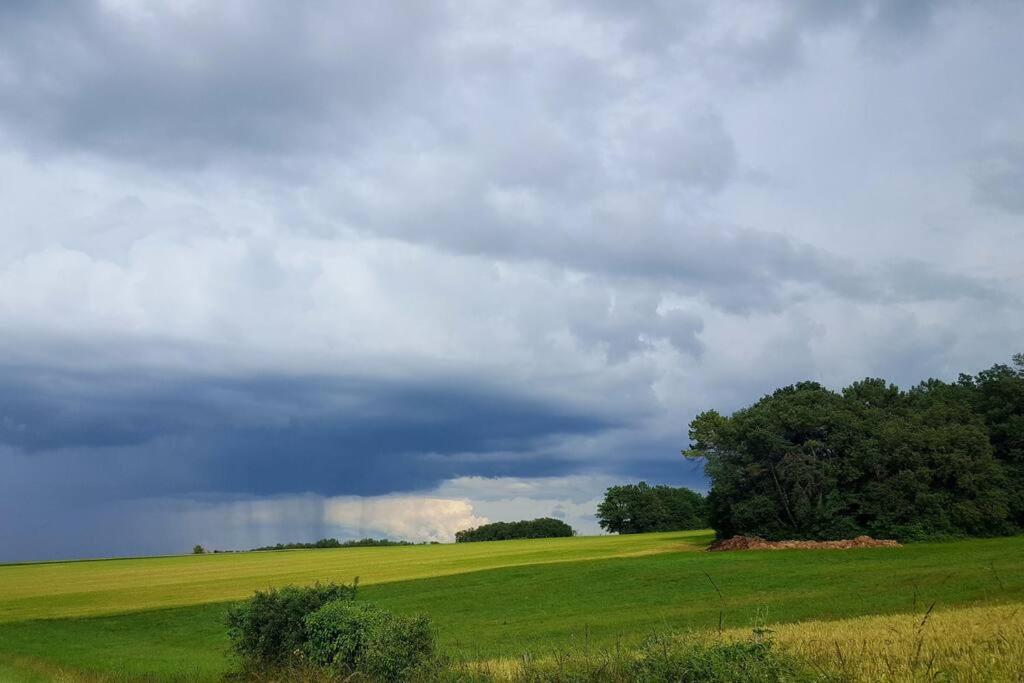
<point>491,254</point>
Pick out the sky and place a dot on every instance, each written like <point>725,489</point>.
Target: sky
<point>276,271</point>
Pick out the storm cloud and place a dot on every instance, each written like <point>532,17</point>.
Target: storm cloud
<point>263,266</point>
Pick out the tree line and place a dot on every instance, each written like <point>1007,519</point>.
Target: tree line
<point>942,459</point>
<point>334,543</point>
<point>544,527</point>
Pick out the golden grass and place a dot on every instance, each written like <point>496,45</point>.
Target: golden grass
<point>968,644</point>
<point>974,644</point>
<point>75,589</point>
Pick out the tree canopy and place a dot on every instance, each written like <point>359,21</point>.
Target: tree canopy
<point>543,527</point>
<point>639,508</point>
<point>941,459</point>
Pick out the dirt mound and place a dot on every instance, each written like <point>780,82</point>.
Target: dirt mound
<point>758,543</point>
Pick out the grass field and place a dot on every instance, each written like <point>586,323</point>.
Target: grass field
<point>93,587</point>
<point>161,617</point>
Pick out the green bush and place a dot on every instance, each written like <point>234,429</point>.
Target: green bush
<point>269,629</point>
<point>351,637</point>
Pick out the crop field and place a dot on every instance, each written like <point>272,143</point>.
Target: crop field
<point>161,618</point>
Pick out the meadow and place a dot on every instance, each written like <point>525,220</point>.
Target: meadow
<point>161,618</point>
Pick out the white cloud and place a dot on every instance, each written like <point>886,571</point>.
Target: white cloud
<point>572,498</point>
<point>409,517</point>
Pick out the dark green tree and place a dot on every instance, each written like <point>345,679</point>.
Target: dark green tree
<point>544,527</point>
<point>997,395</point>
<point>639,508</point>
<point>806,462</point>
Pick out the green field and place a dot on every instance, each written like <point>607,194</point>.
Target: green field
<point>161,617</point>
<point>94,587</point>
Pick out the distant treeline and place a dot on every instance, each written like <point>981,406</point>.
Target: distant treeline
<point>939,460</point>
<point>334,543</point>
<point>544,527</point>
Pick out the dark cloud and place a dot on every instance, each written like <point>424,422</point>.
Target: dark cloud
<point>111,463</point>
<point>264,435</point>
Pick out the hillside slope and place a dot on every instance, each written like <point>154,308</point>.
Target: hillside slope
<point>96,587</point>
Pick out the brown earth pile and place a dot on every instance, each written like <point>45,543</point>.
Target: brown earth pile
<point>758,543</point>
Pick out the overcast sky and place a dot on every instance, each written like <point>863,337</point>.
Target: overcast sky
<point>276,271</point>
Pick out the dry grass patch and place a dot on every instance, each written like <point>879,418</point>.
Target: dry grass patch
<point>969,644</point>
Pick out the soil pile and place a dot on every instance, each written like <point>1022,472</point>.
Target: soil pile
<point>758,543</point>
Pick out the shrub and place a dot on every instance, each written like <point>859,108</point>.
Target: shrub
<point>269,629</point>
<point>359,637</point>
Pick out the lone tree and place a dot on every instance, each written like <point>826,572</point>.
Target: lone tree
<point>198,549</point>
<point>639,508</point>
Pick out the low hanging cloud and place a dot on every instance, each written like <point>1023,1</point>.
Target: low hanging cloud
<point>407,517</point>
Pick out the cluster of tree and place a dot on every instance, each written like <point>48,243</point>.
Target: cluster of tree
<point>544,527</point>
<point>942,459</point>
<point>334,543</point>
<point>639,508</point>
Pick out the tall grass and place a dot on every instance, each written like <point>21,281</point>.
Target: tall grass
<point>29,670</point>
<point>703,657</point>
<point>970,644</point>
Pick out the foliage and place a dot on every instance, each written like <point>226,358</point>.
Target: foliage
<point>640,508</point>
<point>269,628</point>
<point>334,543</point>
<point>939,460</point>
<point>997,395</point>
<point>198,550</point>
<point>543,527</point>
<point>351,637</point>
